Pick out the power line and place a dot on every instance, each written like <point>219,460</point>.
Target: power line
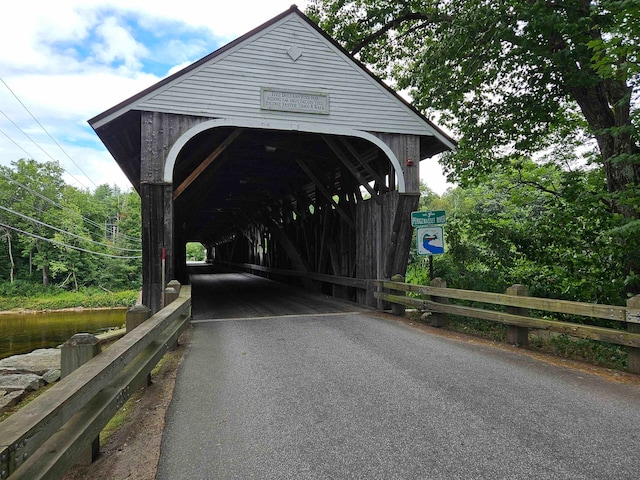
<point>61,244</point>
<point>16,144</point>
<point>26,217</point>
<point>47,132</point>
<point>52,202</point>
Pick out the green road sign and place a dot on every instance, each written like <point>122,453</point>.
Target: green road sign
<point>432,217</point>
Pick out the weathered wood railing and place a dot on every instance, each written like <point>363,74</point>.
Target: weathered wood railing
<point>44,438</point>
<point>517,316</point>
<point>319,277</point>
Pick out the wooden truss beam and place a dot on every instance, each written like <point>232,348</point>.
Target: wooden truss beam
<point>206,162</point>
<point>351,167</point>
<point>325,192</point>
<point>377,178</point>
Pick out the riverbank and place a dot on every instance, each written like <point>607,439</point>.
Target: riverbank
<point>24,311</point>
<point>50,301</point>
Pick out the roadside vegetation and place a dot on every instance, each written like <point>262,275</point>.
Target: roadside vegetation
<point>63,247</point>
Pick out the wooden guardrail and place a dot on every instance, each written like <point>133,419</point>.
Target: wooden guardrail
<point>517,317</point>
<point>320,277</point>
<point>43,439</point>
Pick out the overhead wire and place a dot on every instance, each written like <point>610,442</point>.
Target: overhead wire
<point>80,237</point>
<point>36,144</point>
<point>73,247</point>
<point>47,132</point>
<point>129,238</point>
<point>52,202</point>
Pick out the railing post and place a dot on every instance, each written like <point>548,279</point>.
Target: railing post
<point>439,319</point>
<point>633,326</point>
<point>518,335</point>
<point>170,294</point>
<point>136,315</point>
<point>75,352</point>
<point>398,308</point>
<point>175,284</point>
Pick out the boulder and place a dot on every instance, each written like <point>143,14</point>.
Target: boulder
<point>26,381</point>
<point>39,361</point>
<point>51,376</point>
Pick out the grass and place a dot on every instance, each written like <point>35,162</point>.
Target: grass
<point>602,354</point>
<point>126,410</point>
<point>52,300</point>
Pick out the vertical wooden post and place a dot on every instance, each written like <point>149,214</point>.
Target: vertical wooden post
<point>175,284</point>
<point>136,315</point>
<point>397,308</point>
<point>75,352</point>
<point>439,319</point>
<point>518,335</point>
<point>170,294</point>
<point>633,326</point>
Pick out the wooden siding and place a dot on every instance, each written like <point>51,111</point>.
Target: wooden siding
<point>229,85</point>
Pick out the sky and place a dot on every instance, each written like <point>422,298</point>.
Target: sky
<point>63,62</point>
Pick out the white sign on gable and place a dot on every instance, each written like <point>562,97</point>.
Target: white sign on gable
<point>289,101</point>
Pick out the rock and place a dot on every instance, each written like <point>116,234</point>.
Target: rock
<point>26,381</point>
<point>51,376</point>
<point>10,399</point>
<point>39,361</point>
<point>9,371</point>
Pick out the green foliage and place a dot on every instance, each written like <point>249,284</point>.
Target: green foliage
<point>538,225</point>
<point>590,351</point>
<point>195,252</point>
<point>58,235</point>
<point>507,76</point>
<point>53,298</point>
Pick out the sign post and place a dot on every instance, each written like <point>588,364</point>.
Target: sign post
<point>429,234</point>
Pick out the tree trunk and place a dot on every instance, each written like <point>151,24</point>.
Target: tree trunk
<point>45,275</point>
<point>13,265</point>
<point>606,107</point>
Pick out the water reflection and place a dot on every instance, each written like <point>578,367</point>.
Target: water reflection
<point>22,333</point>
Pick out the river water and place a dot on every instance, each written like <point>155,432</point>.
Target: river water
<point>22,333</point>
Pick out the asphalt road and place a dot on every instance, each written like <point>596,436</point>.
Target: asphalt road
<point>353,395</point>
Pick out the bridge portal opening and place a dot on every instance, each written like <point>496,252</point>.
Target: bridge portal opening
<point>278,151</point>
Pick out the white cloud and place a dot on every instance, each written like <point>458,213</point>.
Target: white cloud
<point>118,44</point>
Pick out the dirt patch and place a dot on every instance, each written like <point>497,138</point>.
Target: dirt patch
<point>132,451</point>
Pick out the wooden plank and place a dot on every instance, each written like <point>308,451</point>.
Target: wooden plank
<point>594,310</point>
<point>59,452</point>
<point>27,429</point>
<point>322,277</point>
<point>206,162</point>
<point>619,337</point>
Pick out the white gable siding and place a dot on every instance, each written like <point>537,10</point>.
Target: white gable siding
<point>229,85</point>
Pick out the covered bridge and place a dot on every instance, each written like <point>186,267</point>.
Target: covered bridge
<point>279,150</point>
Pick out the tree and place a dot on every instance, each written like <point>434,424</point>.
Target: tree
<point>540,225</point>
<point>512,78</point>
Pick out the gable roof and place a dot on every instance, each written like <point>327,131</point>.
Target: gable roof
<point>290,54</point>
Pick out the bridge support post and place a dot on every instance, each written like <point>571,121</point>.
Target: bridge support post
<point>439,319</point>
<point>633,326</point>
<point>136,315</point>
<point>396,308</point>
<point>518,335</point>
<point>157,240</point>
<point>75,352</point>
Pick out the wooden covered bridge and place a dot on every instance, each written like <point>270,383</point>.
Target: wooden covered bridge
<point>279,150</point>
